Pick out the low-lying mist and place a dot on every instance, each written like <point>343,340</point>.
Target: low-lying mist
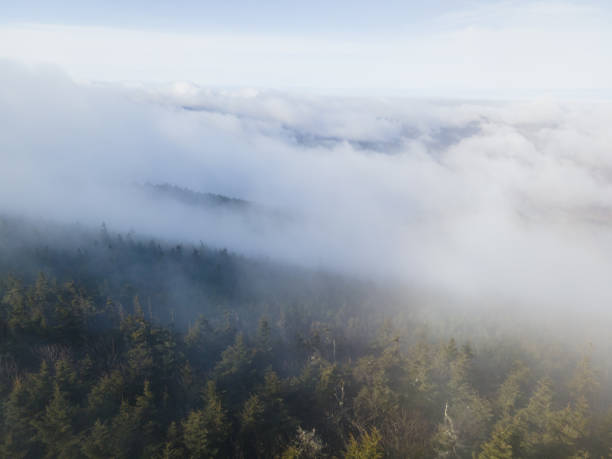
<point>504,202</point>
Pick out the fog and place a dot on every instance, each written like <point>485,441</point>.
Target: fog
<point>505,201</point>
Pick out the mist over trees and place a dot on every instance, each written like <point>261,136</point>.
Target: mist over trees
<point>118,346</point>
<point>285,274</point>
<point>492,201</point>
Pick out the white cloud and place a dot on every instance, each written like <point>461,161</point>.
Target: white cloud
<point>505,200</point>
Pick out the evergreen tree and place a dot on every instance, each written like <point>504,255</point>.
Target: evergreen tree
<point>19,436</point>
<point>97,443</point>
<point>498,447</point>
<point>206,431</point>
<point>174,447</point>
<point>54,428</point>
<point>366,447</point>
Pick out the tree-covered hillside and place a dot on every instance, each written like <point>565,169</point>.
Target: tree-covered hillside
<point>116,346</point>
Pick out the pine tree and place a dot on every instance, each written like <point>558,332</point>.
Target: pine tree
<point>97,443</point>
<point>498,447</point>
<point>206,430</point>
<point>585,381</point>
<point>104,399</point>
<point>367,447</point>
<point>54,428</point>
<point>510,392</point>
<point>134,430</point>
<point>145,416</point>
<point>174,447</point>
<point>19,438</point>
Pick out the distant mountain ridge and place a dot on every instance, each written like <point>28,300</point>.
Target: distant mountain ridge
<point>190,197</point>
<point>252,213</point>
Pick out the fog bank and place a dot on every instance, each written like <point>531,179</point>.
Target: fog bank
<point>508,201</point>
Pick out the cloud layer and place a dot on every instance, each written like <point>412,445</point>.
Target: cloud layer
<point>507,201</point>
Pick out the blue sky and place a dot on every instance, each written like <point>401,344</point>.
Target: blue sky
<point>309,17</point>
<point>437,47</point>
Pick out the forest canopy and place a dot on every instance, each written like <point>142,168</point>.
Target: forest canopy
<point>119,346</point>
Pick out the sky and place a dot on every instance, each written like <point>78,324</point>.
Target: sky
<point>436,48</point>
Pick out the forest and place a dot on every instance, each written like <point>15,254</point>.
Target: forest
<point>115,345</point>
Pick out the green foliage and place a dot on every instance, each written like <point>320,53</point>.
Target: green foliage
<point>94,365</point>
<point>499,447</point>
<point>54,428</point>
<point>306,445</point>
<point>366,447</point>
<point>206,431</point>
<point>97,442</point>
